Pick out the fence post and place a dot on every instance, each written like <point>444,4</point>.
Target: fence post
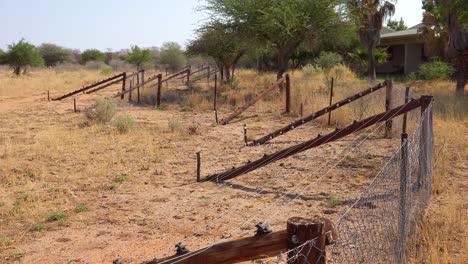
<point>138,94</point>
<point>388,105</point>
<point>188,76</point>
<point>245,135</point>
<point>142,79</point>
<point>208,77</point>
<point>158,96</point>
<point>215,91</point>
<point>424,142</point>
<point>166,77</point>
<point>124,80</point>
<point>403,192</point>
<point>130,93</point>
<point>198,166</point>
<point>288,94</point>
<point>48,95</point>
<point>302,110</point>
<point>300,231</point>
<point>331,100</point>
<point>74,105</point>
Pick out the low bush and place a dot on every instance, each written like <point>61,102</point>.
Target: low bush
<point>103,111</point>
<point>310,69</point>
<point>124,123</point>
<point>328,60</point>
<point>436,70</point>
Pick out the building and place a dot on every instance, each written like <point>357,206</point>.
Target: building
<point>405,51</point>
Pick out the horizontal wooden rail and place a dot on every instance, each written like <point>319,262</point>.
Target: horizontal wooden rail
<point>185,70</point>
<point>104,86</point>
<point>315,115</point>
<point>423,101</point>
<point>88,87</point>
<point>245,249</point>
<point>252,102</point>
<point>204,76</point>
<point>135,73</point>
<point>155,77</point>
<point>197,71</point>
<point>299,231</point>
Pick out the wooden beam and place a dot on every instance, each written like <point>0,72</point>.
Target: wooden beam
<point>88,87</point>
<point>251,248</point>
<point>104,86</point>
<point>315,115</point>
<point>319,140</point>
<point>252,102</point>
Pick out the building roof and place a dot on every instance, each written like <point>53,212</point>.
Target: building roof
<point>410,35</point>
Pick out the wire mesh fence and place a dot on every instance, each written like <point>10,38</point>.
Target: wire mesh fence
<point>374,229</point>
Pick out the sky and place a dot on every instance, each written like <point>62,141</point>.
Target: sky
<point>117,24</point>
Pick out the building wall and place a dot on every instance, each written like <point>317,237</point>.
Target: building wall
<point>395,63</point>
<point>414,57</point>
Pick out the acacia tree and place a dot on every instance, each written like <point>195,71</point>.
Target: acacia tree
<point>22,54</point>
<point>222,44</point>
<point>92,55</point>
<point>172,54</point>
<point>138,56</point>
<point>282,24</point>
<point>54,54</point>
<point>369,16</point>
<point>446,22</point>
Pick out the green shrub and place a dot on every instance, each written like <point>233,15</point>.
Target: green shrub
<point>124,123</point>
<point>310,69</point>
<point>436,70</point>
<point>106,70</point>
<point>81,208</point>
<point>57,216</point>
<point>103,111</point>
<point>327,60</point>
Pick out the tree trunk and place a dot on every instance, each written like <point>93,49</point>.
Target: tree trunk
<point>17,70</point>
<point>371,64</point>
<point>461,76</point>
<point>282,65</point>
<point>227,70</point>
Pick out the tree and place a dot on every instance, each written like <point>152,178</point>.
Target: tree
<point>447,20</point>
<point>54,54</point>
<point>172,55</point>
<point>222,44</point>
<point>2,57</point>
<point>396,25</point>
<point>22,54</point>
<point>92,55</point>
<point>282,24</point>
<point>369,16</point>
<point>138,56</point>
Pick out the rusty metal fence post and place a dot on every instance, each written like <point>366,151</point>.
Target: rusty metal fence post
<point>124,80</point>
<point>331,99</point>
<point>158,96</point>
<point>288,94</point>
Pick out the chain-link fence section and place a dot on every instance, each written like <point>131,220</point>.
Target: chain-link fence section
<point>374,229</point>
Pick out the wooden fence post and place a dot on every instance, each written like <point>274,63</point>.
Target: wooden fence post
<point>158,96</point>
<point>143,79</point>
<point>188,76</point>
<point>388,105</point>
<point>198,166</point>
<point>215,92</point>
<point>302,110</point>
<point>300,231</point>
<point>130,93</point>
<point>400,247</point>
<point>331,100</point>
<point>425,142</point>
<point>74,105</point>
<point>124,80</point>
<point>138,94</point>
<point>48,95</point>
<point>288,94</point>
<point>208,77</point>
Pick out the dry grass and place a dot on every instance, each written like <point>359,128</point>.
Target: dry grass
<point>51,164</point>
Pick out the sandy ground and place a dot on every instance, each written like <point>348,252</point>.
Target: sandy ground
<point>159,203</point>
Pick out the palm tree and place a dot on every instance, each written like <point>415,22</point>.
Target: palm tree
<point>370,14</point>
